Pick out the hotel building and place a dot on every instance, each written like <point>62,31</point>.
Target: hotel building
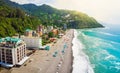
<point>32,42</point>
<point>12,52</point>
<point>32,39</point>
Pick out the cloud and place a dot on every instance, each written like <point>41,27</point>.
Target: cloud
<point>22,1</point>
<point>37,2</point>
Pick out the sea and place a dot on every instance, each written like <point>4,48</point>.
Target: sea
<point>96,50</point>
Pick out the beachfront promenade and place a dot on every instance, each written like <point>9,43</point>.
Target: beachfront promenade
<point>45,62</point>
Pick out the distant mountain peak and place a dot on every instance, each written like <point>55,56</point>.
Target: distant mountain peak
<point>45,5</point>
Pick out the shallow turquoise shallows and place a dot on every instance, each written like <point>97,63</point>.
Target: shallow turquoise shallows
<point>102,48</point>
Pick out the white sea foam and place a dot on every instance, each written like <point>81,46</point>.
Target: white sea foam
<point>110,57</point>
<point>101,42</point>
<point>108,34</point>
<point>81,62</point>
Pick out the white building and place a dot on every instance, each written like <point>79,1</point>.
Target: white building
<point>32,42</point>
<point>12,52</point>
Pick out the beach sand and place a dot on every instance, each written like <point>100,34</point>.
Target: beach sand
<point>42,61</point>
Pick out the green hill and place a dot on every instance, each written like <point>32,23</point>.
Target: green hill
<point>15,18</point>
<point>52,16</point>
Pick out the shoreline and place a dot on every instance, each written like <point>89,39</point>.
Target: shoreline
<point>81,59</point>
<point>43,61</point>
<point>72,57</point>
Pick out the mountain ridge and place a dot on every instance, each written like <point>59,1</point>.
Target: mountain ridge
<point>19,17</point>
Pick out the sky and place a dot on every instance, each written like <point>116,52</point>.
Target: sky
<point>106,11</point>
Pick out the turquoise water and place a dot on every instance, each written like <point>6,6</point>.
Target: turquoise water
<point>102,46</point>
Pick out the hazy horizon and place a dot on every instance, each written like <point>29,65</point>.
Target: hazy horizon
<point>106,11</point>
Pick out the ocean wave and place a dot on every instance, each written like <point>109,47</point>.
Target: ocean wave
<point>115,67</point>
<point>105,33</point>
<point>81,62</point>
<point>112,42</point>
<point>103,53</point>
<point>99,42</point>
<point>110,57</point>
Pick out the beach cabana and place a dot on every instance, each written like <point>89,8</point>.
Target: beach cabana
<point>47,48</point>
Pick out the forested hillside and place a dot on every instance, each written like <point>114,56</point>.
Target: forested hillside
<point>52,16</point>
<point>15,18</point>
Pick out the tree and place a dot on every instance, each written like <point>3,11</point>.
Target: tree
<point>50,34</point>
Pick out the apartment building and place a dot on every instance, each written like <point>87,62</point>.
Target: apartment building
<point>12,52</point>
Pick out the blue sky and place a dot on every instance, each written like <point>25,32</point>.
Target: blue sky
<point>107,11</point>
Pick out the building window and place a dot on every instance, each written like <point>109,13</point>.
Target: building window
<point>9,62</point>
<point>3,61</point>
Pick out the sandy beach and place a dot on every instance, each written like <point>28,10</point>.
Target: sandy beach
<point>43,61</point>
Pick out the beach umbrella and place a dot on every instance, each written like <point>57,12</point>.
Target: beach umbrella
<point>55,54</point>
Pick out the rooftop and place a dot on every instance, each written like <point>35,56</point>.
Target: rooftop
<point>28,30</point>
<point>9,42</point>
